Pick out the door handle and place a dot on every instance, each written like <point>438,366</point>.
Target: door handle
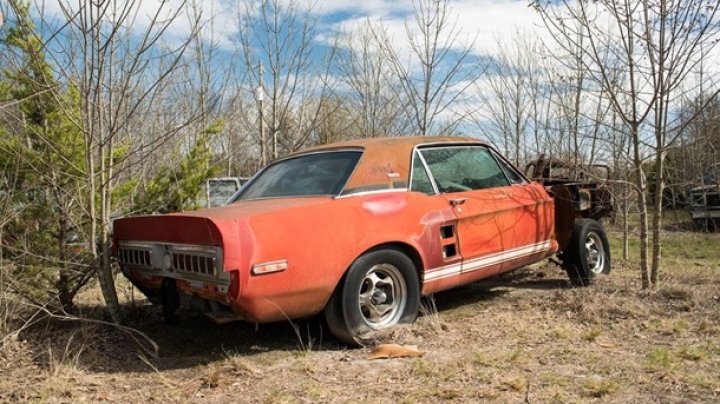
<point>458,201</point>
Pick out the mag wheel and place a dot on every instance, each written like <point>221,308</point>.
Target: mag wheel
<point>588,253</point>
<point>381,289</point>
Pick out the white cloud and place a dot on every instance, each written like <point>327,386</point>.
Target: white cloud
<point>220,15</point>
<point>490,23</point>
<point>362,7</point>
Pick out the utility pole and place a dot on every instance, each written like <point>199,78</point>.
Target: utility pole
<point>260,96</point>
<point>275,129</point>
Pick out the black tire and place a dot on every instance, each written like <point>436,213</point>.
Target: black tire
<point>170,301</point>
<point>588,253</point>
<point>389,282</point>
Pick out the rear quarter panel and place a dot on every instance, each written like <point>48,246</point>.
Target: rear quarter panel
<point>320,243</point>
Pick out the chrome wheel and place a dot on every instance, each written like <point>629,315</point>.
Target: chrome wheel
<point>382,296</point>
<point>595,253</point>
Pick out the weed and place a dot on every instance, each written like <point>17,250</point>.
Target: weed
<point>660,359</point>
<point>213,377</point>
<point>562,332</point>
<point>599,387</point>
<point>678,326</point>
<point>422,368</point>
<point>518,356</point>
<point>707,327</point>
<point>703,380</point>
<point>592,334</point>
<point>312,390</point>
<point>692,352</point>
<point>517,383</point>
<point>481,359</point>
<point>278,395</point>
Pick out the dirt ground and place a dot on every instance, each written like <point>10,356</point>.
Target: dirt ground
<point>524,337</point>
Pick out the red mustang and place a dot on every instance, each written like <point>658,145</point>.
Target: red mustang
<point>360,230</point>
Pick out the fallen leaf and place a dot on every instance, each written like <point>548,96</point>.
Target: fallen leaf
<point>384,351</point>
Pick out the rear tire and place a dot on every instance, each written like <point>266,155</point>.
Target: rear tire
<point>170,301</point>
<point>381,289</point>
<point>588,253</point>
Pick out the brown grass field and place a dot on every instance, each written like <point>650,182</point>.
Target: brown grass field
<point>526,336</point>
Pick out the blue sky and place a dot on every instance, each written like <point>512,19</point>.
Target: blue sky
<point>492,21</point>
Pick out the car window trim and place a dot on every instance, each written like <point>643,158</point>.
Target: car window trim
<point>294,156</point>
<point>427,171</point>
<point>499,160</point>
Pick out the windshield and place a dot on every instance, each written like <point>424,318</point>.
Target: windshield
<point>712,175</point>
<point>313,174</point>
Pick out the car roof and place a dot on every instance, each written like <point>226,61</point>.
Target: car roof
<point>398,142</point>
<point>386,161</point>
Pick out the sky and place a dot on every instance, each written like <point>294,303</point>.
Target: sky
<point>487,24</point>
<point>491,21</point>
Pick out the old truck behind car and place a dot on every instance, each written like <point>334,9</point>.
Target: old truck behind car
<point>704,201</point>
<point>360,231</point>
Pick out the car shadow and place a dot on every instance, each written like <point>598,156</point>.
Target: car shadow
<point>197,340</point>
<point>498,287</point>
<point>144,343</point>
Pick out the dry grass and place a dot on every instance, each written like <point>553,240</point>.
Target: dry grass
<point>517,338</point>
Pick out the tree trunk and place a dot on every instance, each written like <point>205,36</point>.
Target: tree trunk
<point>642,206</point>
<point>657,218</point>
<point>625,224</point>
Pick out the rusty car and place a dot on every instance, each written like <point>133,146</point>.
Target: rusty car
<point>360,231</point>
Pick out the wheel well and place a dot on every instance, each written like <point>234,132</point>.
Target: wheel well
<point>406,249</point>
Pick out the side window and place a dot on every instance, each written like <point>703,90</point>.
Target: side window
<point>420,179</point>
<point>457,169</point>
<point>511,174</point>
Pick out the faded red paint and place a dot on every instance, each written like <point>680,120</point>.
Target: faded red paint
<point>320,237</point>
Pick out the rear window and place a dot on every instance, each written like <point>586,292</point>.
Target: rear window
<point>312,174</point>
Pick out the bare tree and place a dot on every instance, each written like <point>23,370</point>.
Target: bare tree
<point>439,68</point>
<point>511,95</point>
<point>653,45</point>
<point>372,89</point>
<point>276,39</point>
<point>114,55</point>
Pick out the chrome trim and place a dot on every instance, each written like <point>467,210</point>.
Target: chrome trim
<point>138,244</point>
<point>499,158</point>
<point>478,263</point>
<point>188,261</point>
<point>183,276</point>
<point>373,192</point>
<point>191,248</point>
<point>254,267</point>
<point>427,170</point>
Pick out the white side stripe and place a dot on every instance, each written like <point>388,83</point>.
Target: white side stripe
<point>434,274</point>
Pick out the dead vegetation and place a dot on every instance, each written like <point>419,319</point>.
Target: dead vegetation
<point>527,336</point>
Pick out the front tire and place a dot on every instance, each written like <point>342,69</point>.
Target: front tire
<point>588,254</point>
<point>381,289</point>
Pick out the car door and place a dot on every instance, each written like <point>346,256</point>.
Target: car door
<point>529,231</point>
<point>472,181</point>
